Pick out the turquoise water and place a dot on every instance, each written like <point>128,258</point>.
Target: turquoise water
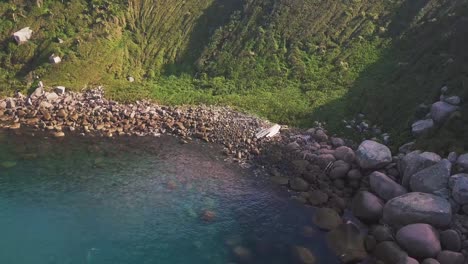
<point>140,200</point>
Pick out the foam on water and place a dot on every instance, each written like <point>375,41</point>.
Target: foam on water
<point>139,200</point>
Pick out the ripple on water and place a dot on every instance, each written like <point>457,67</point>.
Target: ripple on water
<point>141,200</point>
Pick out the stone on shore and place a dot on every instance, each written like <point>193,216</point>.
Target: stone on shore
<point>441,111</point>
<point>414,162</point>
<point>459,186</point>
<point>367,207</point>
<point>339,170</point>
<point>430,261</point>
<point>416,207</point>
<point>373,155</point>
<point>422,127</point>
<point>345,154</point>
<point>433,179</point>
<point>462,162</point>
<point>419,240</point>
<point>450,257</point>
<point>385,187</point>
<point>450,240</point>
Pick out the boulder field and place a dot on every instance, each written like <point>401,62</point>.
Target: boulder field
<point>413,204</point>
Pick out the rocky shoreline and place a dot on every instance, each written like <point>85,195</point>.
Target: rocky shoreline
<point>414,203</point>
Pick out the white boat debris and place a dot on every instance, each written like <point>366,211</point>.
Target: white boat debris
<point>269,132</point>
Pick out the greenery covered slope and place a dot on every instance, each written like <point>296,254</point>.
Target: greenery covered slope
<point>291,61</point>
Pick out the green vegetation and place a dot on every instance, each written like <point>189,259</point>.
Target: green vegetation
<point>290,61</point>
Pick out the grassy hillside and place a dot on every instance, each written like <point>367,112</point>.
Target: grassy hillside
<point>291,61</point>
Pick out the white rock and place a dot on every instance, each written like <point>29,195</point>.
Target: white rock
<point>130,79</point>
<point>54,59</point>
<point>59,90</point>
<point>22,35</point>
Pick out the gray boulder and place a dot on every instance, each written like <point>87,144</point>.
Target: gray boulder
<point>450,257</point>
<point>462,162</point>
<point>51,96</point>
<point>433,179</point>
<point>419,240</point>
<point>421,127</point>
<point>459,185</point>
<point>382,233</point>
<point>373,155</point>
<point>441,111</point>
<point>415,162</point>
<point>385,187</point>
<point>417,207</point>
<point>367,207</point>
<point>337,142</point>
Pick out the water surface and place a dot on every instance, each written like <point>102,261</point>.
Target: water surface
<point>140,200</point>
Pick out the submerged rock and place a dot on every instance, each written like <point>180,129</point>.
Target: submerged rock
<point>327,219</point>
<point>389,252</point>
<point>367,207</point>
<point>304,255</point>
<point>348,243</point>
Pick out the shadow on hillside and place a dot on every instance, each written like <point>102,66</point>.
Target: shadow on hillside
<point>431,54</point>
<point>213,17</point>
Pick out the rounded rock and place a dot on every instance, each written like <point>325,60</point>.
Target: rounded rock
<point>367,207</point>
<point>450,257</point>
<point>450,240</point>
<point>419,240</point>
<point>385,187</point>
<point>373,155</point>
<point>299,184</point>
<point>430,261</point>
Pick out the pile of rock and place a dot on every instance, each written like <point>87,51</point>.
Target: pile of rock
<point>366,129</point>
<point>435,115</point>
<point>92,114</point>
<point>415,203</point>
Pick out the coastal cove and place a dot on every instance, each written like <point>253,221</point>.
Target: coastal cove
<point>143,200</point>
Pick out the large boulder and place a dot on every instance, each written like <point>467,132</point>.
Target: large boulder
<point>367,207</point>
<point>385,187</point>
<point>414,162</point>
<point>417,207</point>
<point>421,127</point>
<point>419,240</point>
<point>441,111</point>
<point>347,243</point>
<point>373,155</point>
<point>433,179</point>
<point>459,185</point>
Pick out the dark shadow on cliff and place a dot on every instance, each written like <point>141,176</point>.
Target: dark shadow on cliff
<point>428,55</point>
<point>213,17</point>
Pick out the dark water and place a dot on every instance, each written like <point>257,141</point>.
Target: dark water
<point>139,200</point>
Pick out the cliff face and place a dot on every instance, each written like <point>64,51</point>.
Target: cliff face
<point>292,61</point>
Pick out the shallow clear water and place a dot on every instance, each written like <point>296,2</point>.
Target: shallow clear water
<point>139,200</point>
